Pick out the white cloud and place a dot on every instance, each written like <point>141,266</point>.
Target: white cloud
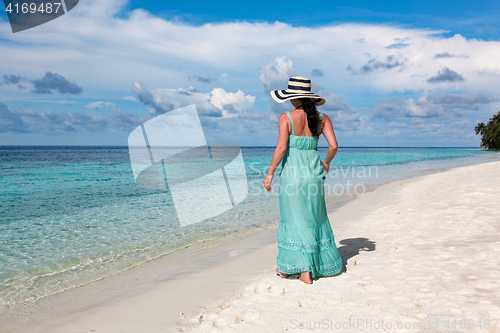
<point>231,103</point>
<point>159,104</point>
<point>108,53</point>
<point>275,74</point>
<point>111,51</point>
<point>217,103</point>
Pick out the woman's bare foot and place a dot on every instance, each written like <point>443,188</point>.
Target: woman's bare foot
<point>283,275</point>
<point>306,278</point>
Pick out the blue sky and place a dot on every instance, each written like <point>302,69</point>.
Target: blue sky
<point>468,18</point>
<point>393,74</point>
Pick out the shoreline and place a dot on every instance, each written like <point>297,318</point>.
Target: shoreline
<point>205,262</point>
<point>175,265</point>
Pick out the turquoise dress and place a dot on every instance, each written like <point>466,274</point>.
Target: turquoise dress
<point>305,238</point>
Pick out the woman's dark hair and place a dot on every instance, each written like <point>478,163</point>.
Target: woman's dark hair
<point>312,117</point>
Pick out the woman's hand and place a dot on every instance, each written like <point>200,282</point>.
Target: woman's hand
<point>326,166</point>
<point>267,182</point>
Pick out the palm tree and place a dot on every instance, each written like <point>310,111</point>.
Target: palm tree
<point>480,128</point>
<point>490,133</point>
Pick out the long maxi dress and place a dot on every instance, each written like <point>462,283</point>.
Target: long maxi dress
<point>305,238</point>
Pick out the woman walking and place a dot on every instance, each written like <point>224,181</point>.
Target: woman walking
<point>306,243</point>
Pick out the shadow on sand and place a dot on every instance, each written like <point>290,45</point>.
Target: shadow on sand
<point>352,246</point>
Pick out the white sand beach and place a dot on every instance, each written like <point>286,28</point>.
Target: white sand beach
<point>422,255</point>
<point>425,252</point>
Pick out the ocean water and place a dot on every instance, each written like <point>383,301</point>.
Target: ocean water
<point>72,215</point>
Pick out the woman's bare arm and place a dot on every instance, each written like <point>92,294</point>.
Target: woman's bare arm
<point>332,142</point>
<point>280,150</point>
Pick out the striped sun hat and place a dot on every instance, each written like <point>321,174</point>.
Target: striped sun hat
<point>298,87</point>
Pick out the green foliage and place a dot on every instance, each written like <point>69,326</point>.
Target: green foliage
<point>490,132</point>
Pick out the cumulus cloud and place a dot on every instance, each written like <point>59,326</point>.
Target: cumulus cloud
<point>184,96</point>
<point>446,75</point>
<point>53,122</point>
<point>159,104</point>
<point>11,79</point>
<point>431,106</point>
<point>124,121</point>
<point>53,81</point>
<point>218,103</point>
<point>29,120</point>
<point>240,46</point>
<point>471,101</point>
<point>275,74</point>
<point>11,122</point>
<point>231,103</point>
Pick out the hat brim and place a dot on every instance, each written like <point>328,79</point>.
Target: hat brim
<point>282,96</point>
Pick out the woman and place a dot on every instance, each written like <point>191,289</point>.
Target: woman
<point>306,243</point>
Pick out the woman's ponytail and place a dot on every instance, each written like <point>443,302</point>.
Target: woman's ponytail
<point>312,117</point>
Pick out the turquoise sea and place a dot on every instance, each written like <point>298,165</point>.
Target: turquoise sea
<point>71,215</point>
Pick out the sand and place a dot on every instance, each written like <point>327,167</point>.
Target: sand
<point>422,255</point>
